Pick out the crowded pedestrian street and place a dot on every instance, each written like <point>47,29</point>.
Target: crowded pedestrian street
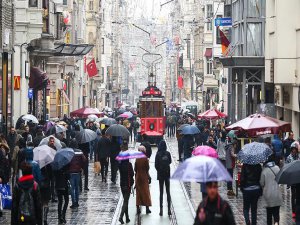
<point>150,112</point>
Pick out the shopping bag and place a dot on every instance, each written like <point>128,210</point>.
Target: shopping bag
<point>97,167</point>
<point>6,198</point>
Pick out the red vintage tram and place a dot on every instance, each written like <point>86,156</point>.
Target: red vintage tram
<point>152,107</point>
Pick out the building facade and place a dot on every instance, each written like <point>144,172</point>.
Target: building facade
<point>282,59</point>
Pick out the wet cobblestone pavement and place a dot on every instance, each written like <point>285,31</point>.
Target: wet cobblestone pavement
<point>193,190</point>
<point>97,206</point>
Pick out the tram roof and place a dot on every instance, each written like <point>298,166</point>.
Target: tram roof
<point>153,99</point>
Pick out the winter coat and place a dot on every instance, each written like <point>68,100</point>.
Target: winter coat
<point>114,149</point>
<point>24,183</point>
<point>36,171</point>
<point>126,175</point>
<point>4,168</point>
<point>250,175</point>
<point>103,148</point>
<point>37,140</point>
<point>45,183</point>
<point>271,192</point>
<point>147,145</point>
<point>221,149</point>
<point>229,155</point>
<point>77,163</point>
<point>188,145</point>
<point>12,140</point>
<point>143,197</point>
<point>287,146</point>
<point>211,144</point>
<point>208,210</point>
<point>61,179</point>
<point>277,145</point>
<point>162,174</point>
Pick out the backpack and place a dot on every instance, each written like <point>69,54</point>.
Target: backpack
<point>26,212</point>
<point>164,163</point>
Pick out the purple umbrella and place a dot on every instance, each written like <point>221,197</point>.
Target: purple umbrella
<point>201,169</point>
<point>48,125</point>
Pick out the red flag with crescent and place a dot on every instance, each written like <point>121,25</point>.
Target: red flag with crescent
<point>91,68</point>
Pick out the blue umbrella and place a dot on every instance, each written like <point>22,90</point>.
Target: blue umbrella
<point>191,129</point>
<point>254,153</point>
<point>62,158</point>
<point>201,169</point>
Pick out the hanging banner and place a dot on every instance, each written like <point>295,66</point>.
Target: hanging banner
<point>180,82</point>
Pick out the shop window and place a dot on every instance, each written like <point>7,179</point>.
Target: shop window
<point>209,17</point>
<point>91,5</point>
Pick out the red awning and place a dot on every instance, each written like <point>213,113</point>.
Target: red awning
<point>208,52</point>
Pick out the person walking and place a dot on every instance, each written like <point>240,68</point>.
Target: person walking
<point>213,210</point>
<point>277,147</point>
<point>287,144</point>
<point>147,145</point>
<point>162,165</point>
<point>180,146</point>
<point>143,197</point>
<point>293,156</point>
<point>114,152</point>
<point>36,171</point>
<point>271,192</point>
<point>211,143</point>
<point>188,145</point>
<point>102,154</point>
<point>12,139</point>
<point>4,170</point>
<point>126,183</point>
<point>251,189</point>
<point>221,147</point>
<point>76,166</point>
<point>39,137</point>
<point>51,144</point>
<point>62,189</point>
<point>85,148</point>
<point>26,202</point>
<point>230,161</point>
<point>45,189</point>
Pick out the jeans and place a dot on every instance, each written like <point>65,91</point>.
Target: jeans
<point>75,181</point>
<point>250,199</point>
<point>126,195</point>
<point>114,169</point>
<point>229,184</point>
<point>104,167</point>
<point>62,195</point>
<point>161,191</point>
<point>272,212</point>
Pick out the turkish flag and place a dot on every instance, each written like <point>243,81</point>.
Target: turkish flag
<point>180,82</point>
<point>91,68</point>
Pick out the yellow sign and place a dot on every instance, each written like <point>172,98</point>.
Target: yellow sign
<point>17,82</point>
<point>68,37</point>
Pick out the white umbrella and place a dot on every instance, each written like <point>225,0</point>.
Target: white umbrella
<point>129,114</point>
<point>43,155</point>
<point>57,143</point>
<point>92,117</point>
<point>60,129</point>
<point>31,118</point>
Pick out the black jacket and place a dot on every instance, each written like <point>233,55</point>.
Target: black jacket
<point>11,140</point>
<point>250,175</point>
<point>26,182</point>
<point>162,151</point>
<point>114,149</point>
<point>217,212</point>
<point>103,148</point>
<point>61,179</point>
<point>126,175</point>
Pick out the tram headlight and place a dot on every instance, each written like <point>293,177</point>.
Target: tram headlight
<point>151,126</point>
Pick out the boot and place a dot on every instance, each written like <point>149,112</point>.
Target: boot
<point>161,211</point>
<point>63,217</point>
<point>169,210</point>
<point>127,218</point>
<point>148,210</point>
<point>138,210</point>
<point>45,215</point>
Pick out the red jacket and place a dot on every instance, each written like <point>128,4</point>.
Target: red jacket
<point>77,163</point>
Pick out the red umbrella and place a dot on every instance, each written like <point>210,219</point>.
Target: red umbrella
<point>257,124</point>
<point>84,112</point>
<point>212,114</point>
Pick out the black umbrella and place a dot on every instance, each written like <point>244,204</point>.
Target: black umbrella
<point>108,121</point>
<point>118,131</point>
<point>86,135</point>
<point>289,174</point>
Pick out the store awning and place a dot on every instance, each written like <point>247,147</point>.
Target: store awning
<point>73,50</point>
<point>38,78</point>
<point>208,52</point>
